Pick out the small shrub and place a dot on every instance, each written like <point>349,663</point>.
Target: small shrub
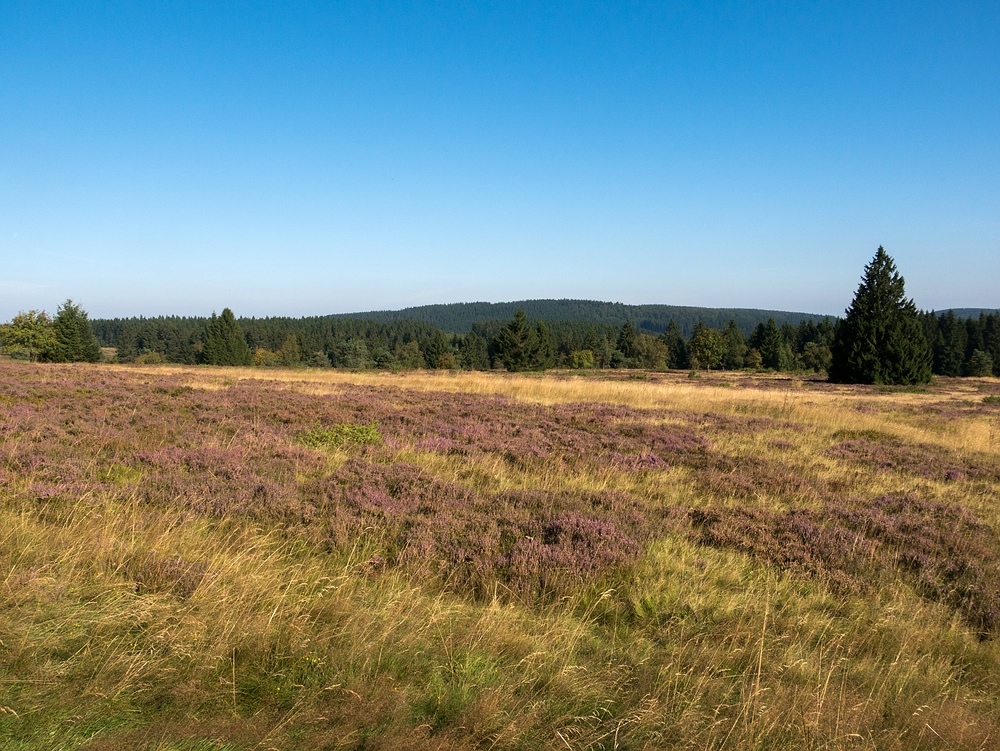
<point>991,399</point>
<point>342,433</point>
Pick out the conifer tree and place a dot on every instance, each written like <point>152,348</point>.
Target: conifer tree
<point>676,345</point>
<point>516,345</point>
<point>473,352</point>
<point>880,339</point>
<point>991,340</point>
<point>736,346</point>
<point>74,339</point>
<point>626,341</point>
<point>224,341</point>
<point>948,351</point>
<point>545,357</point>
<point>775,353</point>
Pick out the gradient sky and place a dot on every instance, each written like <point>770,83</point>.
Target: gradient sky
<point>288,159</point>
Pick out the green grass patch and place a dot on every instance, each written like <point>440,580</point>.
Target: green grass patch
<point>341,434</point>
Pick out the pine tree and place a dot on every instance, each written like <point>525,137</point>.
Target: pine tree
<point>948,352</point>
<point>517,344</point>
<point>736,346</point>
<point>775,353</point>
<point>991,340</point>
<point>224,342</point>
<point>676,346</point>
<point>626,342</point>
<point>473,352</point>
<point>74,339</point>
<point>881,339</point>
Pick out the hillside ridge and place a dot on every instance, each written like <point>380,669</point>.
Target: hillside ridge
<point>458,318</point>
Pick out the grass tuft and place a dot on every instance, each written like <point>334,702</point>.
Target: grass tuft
<point>337,435</point>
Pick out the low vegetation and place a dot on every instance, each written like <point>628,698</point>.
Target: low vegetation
<point>247,558</point>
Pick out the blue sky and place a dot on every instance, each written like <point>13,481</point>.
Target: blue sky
<point>296,159</point>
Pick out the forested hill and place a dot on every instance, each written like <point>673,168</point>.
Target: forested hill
<point>969,312</point>
<point>458,318</point>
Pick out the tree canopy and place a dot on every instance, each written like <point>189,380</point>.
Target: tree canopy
<point>29,335</point>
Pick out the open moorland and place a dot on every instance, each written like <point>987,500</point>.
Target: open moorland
<point>224,558</point>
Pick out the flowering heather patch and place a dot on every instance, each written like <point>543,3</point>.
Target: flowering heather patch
<point>745,425</point>
<point>942,549</point>
<point>257,483</point>
<point>524,434</point>
<point>885,453</point>
<point>526,539</point>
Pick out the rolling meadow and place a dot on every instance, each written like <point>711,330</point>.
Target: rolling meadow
<point>199,558</point>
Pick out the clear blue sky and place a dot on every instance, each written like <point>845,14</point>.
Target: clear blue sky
<point>291,159</point>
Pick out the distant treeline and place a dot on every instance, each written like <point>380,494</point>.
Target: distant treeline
<point>960,346</point>
<point>461,318</point>
<point>963,346</point>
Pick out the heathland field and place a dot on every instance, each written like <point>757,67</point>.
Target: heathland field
<point>217,558</point>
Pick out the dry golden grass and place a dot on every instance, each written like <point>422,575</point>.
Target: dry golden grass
<point>785,397</point>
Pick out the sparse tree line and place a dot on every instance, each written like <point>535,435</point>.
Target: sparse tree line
<point>882,339</point>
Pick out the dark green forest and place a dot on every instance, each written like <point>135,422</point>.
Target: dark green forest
<point>461,318</point>
<point>958,345</point>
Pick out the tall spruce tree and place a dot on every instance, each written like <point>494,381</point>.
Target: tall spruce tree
<point>880,339</point>
<point>736,346</point>
<point>626,342</point>
<point>224,341</point>
<point>74,339</point>
<point>516,345</point>
<point>775,353</point>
